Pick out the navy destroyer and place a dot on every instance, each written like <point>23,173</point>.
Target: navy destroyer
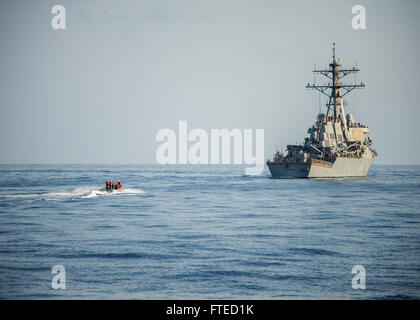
<point>337,145</point>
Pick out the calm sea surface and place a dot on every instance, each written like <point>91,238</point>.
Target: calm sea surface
<point>207,232</point>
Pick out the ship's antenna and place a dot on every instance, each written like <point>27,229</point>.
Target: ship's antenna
<point>355,74</point>
<point>333,51</point>
<point>319,102</point>
<point>315,78</point>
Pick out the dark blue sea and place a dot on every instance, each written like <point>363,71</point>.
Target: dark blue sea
<point>207,232</point>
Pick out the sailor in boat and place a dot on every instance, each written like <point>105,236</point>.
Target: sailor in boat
<point>110,186</point>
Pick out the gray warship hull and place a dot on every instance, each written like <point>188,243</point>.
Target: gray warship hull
<point>341,167</point>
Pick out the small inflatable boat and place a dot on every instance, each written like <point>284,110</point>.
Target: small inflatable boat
<point>111,190</point>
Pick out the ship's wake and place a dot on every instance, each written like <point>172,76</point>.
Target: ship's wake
<point>78,193</point>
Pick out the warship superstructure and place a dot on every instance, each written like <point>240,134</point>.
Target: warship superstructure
<point>337,145</point>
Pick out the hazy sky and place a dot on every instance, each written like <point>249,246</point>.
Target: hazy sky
<point>99,91</point>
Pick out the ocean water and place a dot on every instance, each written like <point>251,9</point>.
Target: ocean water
<point>207,232</point>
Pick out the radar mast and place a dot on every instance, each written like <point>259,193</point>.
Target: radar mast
<point>335,73</point>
